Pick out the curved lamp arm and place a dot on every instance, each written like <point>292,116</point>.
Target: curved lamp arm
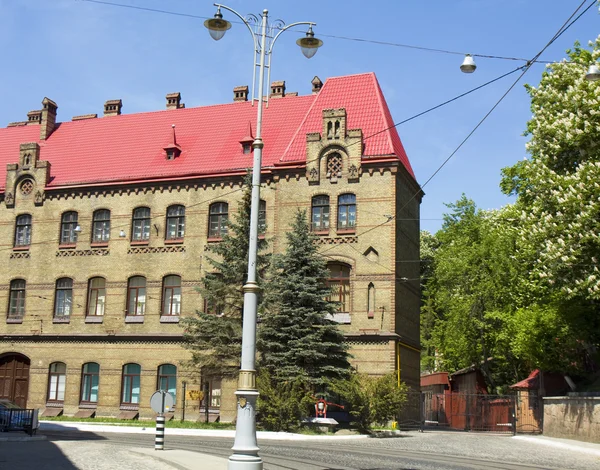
<point>245,21</point>
<point>285,28</point>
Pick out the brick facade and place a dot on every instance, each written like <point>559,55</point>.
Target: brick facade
<point>382,322</point>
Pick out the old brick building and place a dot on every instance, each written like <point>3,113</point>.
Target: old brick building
<point>104,224</point>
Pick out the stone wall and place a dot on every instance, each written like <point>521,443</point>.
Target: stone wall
<point>573,417</point>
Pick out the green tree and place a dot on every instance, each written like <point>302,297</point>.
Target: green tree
<point>469,298</point>
<point>297,336</point>
<point>214,336</point>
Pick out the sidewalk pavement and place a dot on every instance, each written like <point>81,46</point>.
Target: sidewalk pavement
<point>186,459</point>
<point>569,444</point>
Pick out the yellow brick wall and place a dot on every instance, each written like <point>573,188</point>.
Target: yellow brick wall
<point>373,252</point>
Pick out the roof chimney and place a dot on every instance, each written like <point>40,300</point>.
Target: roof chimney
<point>240,93</point>
<point>112,108</point>
<point>277,89</point>
<point>317,84</point>
<point>174,101</point>
<point>34,117</point>
<point>48,120</point>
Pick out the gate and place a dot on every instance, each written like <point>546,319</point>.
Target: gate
<point>471,412</point>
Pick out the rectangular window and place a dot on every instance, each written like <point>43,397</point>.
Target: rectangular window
<point>320,213</point>
<point>136,304</point>
<point>171,295</point>
<point>64,297</point>
<point>141,224</point>
<point>131,384</point>
<point>23,230</point>
<point>175,222</point>
<point>347,212</point>
<point>16,304</point>
<point>96,297</point>
<point>90,379</point>
<point>57,380</point>
<point>101,226</point>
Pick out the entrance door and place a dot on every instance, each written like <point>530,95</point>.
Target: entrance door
<point>14,378</point>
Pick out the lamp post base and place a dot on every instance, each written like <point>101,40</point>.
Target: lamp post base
<point>244,462</point>
<point>245,448</point>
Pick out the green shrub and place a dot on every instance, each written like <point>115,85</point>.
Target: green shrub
<point>371,400</point>
<point>282,406</point>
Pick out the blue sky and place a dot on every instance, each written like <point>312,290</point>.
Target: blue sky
<point>81,54</point>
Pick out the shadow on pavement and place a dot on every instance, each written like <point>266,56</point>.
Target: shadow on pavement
<point>38,455</point>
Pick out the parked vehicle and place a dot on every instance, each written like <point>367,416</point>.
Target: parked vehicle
<point>15,418</point>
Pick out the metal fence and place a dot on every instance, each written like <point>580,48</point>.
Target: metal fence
<point>19,420</point>
<point>471,412</point>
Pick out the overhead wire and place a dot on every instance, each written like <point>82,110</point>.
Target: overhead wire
<point>566,25</point>
<point>332,36</point>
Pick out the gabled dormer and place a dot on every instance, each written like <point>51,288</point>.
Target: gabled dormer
<point>27,179</point>
<point>172,150</point>
<point>247,141</point>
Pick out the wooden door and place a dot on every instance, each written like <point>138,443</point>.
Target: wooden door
<point>14,378</point>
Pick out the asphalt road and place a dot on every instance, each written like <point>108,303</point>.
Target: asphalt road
<point>422,451</point>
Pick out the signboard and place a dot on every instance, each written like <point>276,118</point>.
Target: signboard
<point>161,401</point>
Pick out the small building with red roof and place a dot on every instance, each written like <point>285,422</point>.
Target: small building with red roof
<point>105,222</point>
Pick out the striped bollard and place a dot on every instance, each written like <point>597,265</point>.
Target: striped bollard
<point>159,440</point>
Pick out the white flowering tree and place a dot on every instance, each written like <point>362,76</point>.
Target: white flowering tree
<point>558,207</point>
<point>558,186</point>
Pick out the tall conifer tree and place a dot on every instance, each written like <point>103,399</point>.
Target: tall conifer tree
<point>214,336</point>
<point>297,337</point>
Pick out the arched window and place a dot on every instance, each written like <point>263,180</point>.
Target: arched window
<point>217,220</point>
<point>320,213</point>
<point>16,303</point>
<point>371,299</point>
<point>57,379</point>
<point>175,222</point>
<point>171,295</point>
<point>167,378</point>
<point>101,226</point>
<point>63,297</point>
<point>339,282</point>
<point>130,384</point>
<point>136,296</point>
<point>140,229</point>
<point>90,380</point>
<point>23,230</point>
<point>96,296</point>
<point>262,216</point>
<point>68,224</point>
<point>346,212</point>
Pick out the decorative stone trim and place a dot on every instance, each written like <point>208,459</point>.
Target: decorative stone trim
<point>169,318</point>
<point>132,407</point>
<point>100,252</point>
<point>63,319</point>
<point>94,318</point>
<point>20,255</point>
<point>88,406</point>
<point>134,319</point>
<point>54,404</point>
<point>136,250</point>
<point>336,240</point>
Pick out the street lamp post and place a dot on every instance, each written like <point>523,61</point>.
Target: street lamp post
<point>245,448</point>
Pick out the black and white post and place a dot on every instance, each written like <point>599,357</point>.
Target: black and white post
<point>159,439</point>
<point>161,401</point>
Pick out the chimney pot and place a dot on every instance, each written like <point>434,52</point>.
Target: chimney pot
<point>278,89</point>
<point>317,84</point>
<point>113,107</point>
<point>240,93</point>
<point>48,118</point>
<point>174,101</point>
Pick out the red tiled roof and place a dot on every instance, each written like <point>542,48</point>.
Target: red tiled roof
<point>553,382</point>
<point>130,147</point>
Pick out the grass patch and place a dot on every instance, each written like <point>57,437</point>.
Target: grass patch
<point>142,423</point>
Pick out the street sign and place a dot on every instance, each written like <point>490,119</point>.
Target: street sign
<point>161,401</point>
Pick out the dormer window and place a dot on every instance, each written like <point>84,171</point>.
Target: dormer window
<point>247,141</point>
<point>246,147</point>
<point>172,154</point>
